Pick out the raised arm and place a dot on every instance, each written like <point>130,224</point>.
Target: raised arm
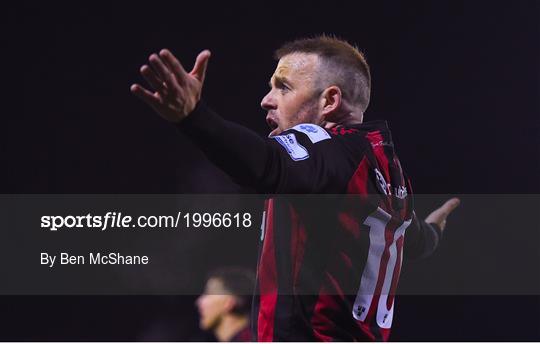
<point>283,164</point>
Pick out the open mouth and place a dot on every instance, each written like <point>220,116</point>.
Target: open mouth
<point>271,123</point>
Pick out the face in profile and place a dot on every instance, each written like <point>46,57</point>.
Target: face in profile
<point>213,304</point>
<point>292,98</point>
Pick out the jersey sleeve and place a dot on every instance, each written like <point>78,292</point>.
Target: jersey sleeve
<point>421,238</point>
<point>302,159</point>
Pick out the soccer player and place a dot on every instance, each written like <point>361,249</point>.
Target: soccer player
<point>327,268</point>
<point>225,304</point>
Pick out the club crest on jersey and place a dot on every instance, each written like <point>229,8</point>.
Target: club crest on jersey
<point>383,185</point>
<point>290,143</point>
<point>360,311</point>
<point>314,132</point>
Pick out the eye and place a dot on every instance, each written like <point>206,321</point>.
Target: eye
<point>283,88</point>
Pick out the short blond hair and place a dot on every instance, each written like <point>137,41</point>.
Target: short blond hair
<point>342,64</point>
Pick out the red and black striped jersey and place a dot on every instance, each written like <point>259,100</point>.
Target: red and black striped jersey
<point>333,236</point>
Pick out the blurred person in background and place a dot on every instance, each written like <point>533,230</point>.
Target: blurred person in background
<point>225,304</point>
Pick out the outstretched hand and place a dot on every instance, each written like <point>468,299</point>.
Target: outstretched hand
<point>440,214</point>
<point>174,93</point>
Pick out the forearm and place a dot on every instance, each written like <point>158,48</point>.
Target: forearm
<point>421,239</point>
<point>238,151</point>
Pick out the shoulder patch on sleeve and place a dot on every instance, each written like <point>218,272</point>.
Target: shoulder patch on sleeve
<point>314,132</point>
<point>291,145</point>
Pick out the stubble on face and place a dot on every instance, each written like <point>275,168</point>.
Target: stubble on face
<point>300,105</point>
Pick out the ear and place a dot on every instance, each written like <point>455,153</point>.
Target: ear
<point>331,101</point>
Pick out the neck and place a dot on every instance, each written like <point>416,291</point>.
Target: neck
<point>229,326</point>
<point>347,119</point>
<point>330,125</point>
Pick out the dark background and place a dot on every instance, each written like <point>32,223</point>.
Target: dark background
<point>458,81</point>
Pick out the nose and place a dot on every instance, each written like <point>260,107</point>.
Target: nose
<point>198,301</point>
<point>268,102</point>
